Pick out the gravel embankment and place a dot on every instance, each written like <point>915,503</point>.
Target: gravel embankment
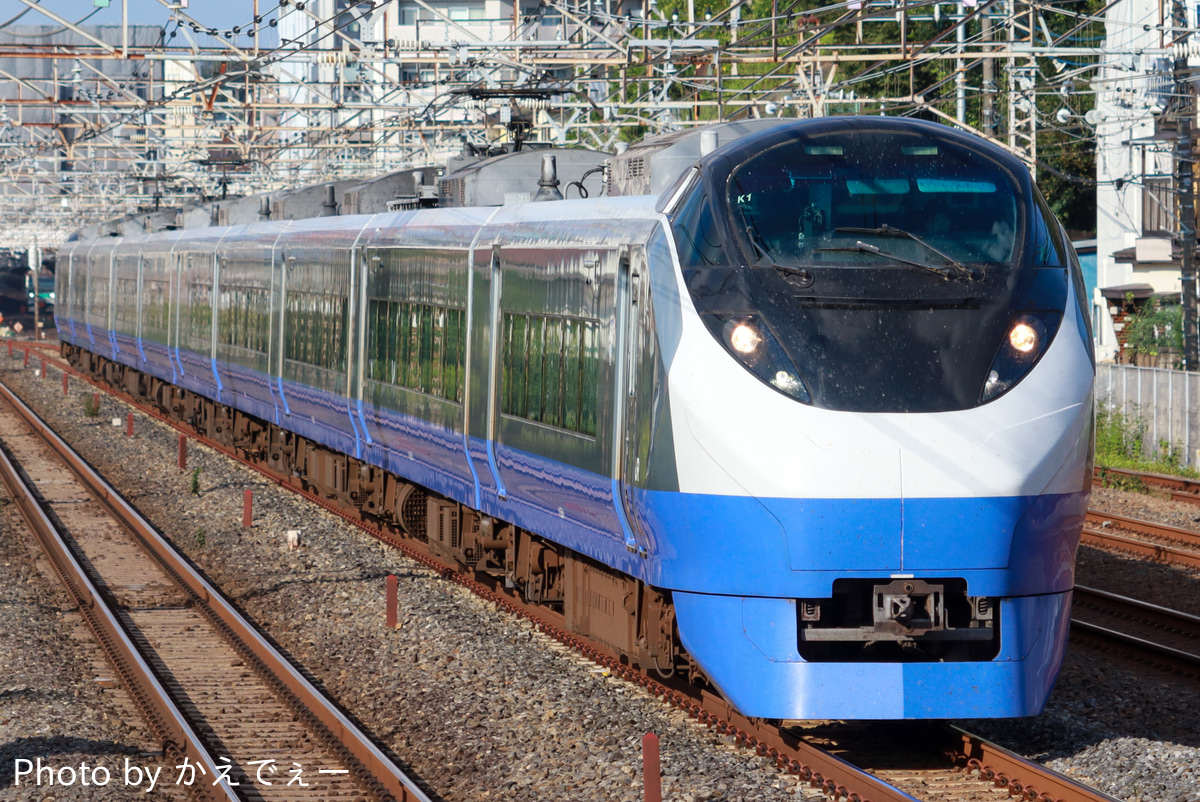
<point>480,706</point>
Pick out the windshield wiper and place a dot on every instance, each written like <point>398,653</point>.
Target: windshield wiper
<point>861,247</point>
<point>799,277</point>
<point>756,240</point>
<point>888,231</point>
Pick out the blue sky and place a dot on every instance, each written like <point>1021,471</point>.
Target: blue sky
<point>223,14</point>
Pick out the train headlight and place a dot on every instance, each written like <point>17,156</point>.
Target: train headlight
<point>745,339</point>
<point>787,382</point>
<point>1023,337</point>
<point>1024,344</point>
<point>750,340</point>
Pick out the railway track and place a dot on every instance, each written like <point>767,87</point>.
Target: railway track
<point>1180,488</point>
<point>1165,637</point>
<point>216,693</point>
<point>940,762</point>
<point>937,764</point>
<point>1158,542</point>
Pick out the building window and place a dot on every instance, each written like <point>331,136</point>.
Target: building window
<point>459,12</point>
<point>1158,205</point>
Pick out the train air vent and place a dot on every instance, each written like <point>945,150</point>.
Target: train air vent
<point>413,512</point>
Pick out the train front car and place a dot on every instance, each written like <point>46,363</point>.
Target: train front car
<point>880,385</point>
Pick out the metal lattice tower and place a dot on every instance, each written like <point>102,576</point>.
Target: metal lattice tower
<point>96,123</point>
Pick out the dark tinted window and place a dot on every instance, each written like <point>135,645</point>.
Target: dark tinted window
<point>1049,250</point>
<point>316,329</point>
<point>696,237</point>
<point>245,320</point>
<point>791,200</point>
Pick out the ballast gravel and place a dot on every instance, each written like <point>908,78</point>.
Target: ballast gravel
<point>482,707</point>
<point>56,704</point>
<point>476,703</point>
<point>1129,731</point>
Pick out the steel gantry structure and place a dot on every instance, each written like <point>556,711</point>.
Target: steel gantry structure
<point>96,122</point>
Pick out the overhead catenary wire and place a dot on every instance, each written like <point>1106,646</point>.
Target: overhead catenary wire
<point>652,86</point>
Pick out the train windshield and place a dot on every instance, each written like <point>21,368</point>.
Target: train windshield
<point>873,265</point>
<point>861,199</point>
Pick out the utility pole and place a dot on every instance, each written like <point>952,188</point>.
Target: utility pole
<point>35,269</point>
<point>1185,185</point>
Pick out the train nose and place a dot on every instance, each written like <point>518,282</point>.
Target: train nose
<point>955,533</point>
<point>921,510</point>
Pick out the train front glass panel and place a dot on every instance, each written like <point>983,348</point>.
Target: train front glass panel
<point>874,270</point>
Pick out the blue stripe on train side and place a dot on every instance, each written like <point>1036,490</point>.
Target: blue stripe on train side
<point>736,545</point>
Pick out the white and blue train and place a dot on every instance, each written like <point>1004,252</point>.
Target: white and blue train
<point>814,425</point>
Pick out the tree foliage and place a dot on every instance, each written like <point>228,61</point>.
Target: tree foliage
<point>1066,151</point>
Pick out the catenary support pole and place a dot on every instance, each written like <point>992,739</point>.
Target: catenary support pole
<point>1185,185</point>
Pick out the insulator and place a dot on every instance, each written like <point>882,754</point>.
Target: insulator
<point>1185,49</point>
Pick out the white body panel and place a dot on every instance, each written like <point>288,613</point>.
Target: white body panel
<point>727,423</point>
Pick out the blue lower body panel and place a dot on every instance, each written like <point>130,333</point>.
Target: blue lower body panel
<point>748,648</point>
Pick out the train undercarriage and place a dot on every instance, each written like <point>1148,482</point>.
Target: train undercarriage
<point>633,621</point>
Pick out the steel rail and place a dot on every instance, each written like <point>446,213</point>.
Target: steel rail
<point>1175,534</point>
<point>820,768</point>
<point>178,738</point>
<point>1107,604</point>
<point>1141,644</point>
<point>1141,548</point>
<point>1008,770</point>
<point>1180,487</point>
<point>1096,533</point>
<point>385,778</point>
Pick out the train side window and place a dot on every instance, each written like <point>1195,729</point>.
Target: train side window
<point>416,346</point>
<point>98,300</point>
<point>1048,247</point>
<point>452,369</point>
<point>200,314</point>
<point>534,389</point>
<point>154,309</point>
<point>589,395</point>
<point>244,319</point>
<point>316,329</point>
<point>550,368</point>
<point>572,371</point>
<point>126,305</point>
<point>696,235</point>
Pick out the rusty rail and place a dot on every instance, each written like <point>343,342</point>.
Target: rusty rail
<point>1108,611</point>
<point>170,726</point>
<point>1096,533</point>
<point>1181,488</point>
<point>380,774</point>
<point>1008,770</point>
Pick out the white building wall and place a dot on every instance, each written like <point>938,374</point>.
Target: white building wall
<point>1133,87</point>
